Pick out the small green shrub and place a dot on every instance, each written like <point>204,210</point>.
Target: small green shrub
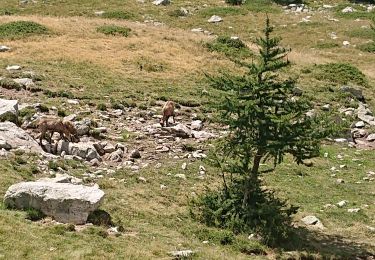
<point>34,214</point>
<point>234,2</point>
<point>121,15</point>
<point>177,13</point>
<point>102,107</point>
<point>234,48</point>
<point>150,65</point>
<point>9,84</point>
<point>56,164</point>
<point>99,231</point>
<point>114,30</point>
<point>100,218</point>
<point>327,45</point>
<point>364,33</point>
<point>339,73</point>
<point>367,47</point>
<point>61,229</point>
<point>20,29</point>
<point>61,113</point>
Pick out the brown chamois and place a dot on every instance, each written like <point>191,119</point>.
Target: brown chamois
<point>66,129</point>
<point>167,111</point>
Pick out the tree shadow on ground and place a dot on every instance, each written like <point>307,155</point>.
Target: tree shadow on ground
<point>326,246</point>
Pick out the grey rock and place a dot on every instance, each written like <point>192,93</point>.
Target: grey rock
<point>109,148</point>
<point>202,135</point>
<point>182,254</point>
<point>360,124</point>
<point>25,82</point>
<point>355,210</point>
<point>181,176</point>
<point>197,125</point>
<point>83,127</point>
<point>86,150</point>
<point>70,117</point>
<point>312,221</point>
<point>135,154</point>
<point>178,130</point>
<point>342,203</point>
<point>357,93</point>
<point>161,2</point>
<point>9,110</point>
<point>18,138</point>
<point>65,202</point>
<point>370,138</point>
<point>4,145</point>
<point>365,114</point>
<point>116,156</point>
<point>215,19</point>
<point>62,178</point>
<point>13,67</point>
<point>4,48</point>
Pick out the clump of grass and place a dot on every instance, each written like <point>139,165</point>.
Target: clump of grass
<point>114,30</point>
<point>230,47</point>
<point>20,29</point>
<point>364,33</point>
<point>367,47</point>
<point>34,214</point>
<point>150,65</point>
<point>339,73</point>
<point>222,11</point>
<point>177,13</point>
<point>9,84</point>
<point>327,45</point>
<point>121,15</point>
<point>234,2</point>
<point>102,107</point>
<point>61,113</point>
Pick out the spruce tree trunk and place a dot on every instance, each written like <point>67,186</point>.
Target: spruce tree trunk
<point>252,180</point>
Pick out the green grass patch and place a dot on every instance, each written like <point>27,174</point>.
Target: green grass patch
<point>327,45</point>
<point>222,11</point>
<point>363,33</point>
<point>367,47</point>
<point>120,15</point>
<point>21,29</point>
<point>233,48</point>
<point>114,30</point>
<point>339,73</point>
<point>360,12</point>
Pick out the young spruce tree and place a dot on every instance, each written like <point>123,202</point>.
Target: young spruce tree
<point>266,121</point>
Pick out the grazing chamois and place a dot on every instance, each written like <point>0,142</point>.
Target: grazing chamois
<point>167,111</point>
<point>66,129</point>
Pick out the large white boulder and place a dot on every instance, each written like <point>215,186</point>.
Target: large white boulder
<point>17,138</point>
<point>65,202</point>
<point>8,110</point>
<point>85,150</point>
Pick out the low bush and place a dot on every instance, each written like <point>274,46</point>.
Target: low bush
<point>230,47</point>
<point>114,30</point>
<point>20,29</point>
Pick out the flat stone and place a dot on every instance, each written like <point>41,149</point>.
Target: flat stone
<point>215,19</point>
<point>370,138</point>
<point>312,221</point>
<point>65,202</point>
<point>13,67</point>
<point>4,48</point>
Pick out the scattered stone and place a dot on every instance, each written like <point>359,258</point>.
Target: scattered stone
<point>161,2</point>
<point>360,124</point>
<point>99,13</point>
<point>184,166</point>
<point>215,19</point>
<point>346,43</point>
<point>197,30</point>
<point>4,48</point>
<point>357,93</point>
<point>342,203</point>
<point>85,150</point>
<point>109,148</point>
<point>178,130</point>
<point>341,140</point>
<point>13,67</point>
<point>182,254</point>
<point>18,138</point>
<point>70,117</point>
<point>73,102</point>
<point>326,107</point>
<point>340,181</point>
<point>25,82</point>
<point>198,154</point>
<point>355,210</point>
<point>370,138</point>
<point>135,154</point>
<point>197,125</point>
<point>312,221</point>
<point>65,202</point>
<point>9,110</point>
<point>348,9</point>
<point>181,176</point>
<point>142,179</point>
